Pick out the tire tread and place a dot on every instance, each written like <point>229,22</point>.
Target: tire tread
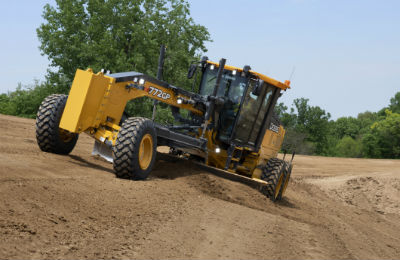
<point>126,148</point>
<point>47,130</point>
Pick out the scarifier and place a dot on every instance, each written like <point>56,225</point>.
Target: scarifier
<point>230,128</point>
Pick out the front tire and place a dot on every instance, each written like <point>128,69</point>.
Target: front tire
<point>49,136</point>
<point>274,174</point>
<point>135,149</point>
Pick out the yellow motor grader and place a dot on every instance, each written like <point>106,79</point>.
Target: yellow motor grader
<point>230,127</point>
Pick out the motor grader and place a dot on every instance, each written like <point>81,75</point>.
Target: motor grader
<point>230,127</point>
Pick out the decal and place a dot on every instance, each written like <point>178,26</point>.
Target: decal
<point>274,128</point>
<point>159,93</point>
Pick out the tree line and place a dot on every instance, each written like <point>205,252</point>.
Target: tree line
<point>309,130</point>
<point>125,35</point>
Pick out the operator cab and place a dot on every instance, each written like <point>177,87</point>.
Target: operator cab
<point>248,102</point>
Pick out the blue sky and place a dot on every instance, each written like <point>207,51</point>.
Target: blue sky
<point>346,54</point>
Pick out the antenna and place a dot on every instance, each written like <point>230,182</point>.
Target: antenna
<point>291,74</point>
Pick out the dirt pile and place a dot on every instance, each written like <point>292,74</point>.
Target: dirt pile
<point>54,206</point>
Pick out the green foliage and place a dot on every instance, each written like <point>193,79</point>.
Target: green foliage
<point>288,119</point>
<point>348,147</point>
<point>310,124</point>
<point>296,141</point>
<point>370,146</point>
<point>120,35</point>
<point>25,101</point>
<point>371,134</point>
<point>383,140</point>
<point>395,103</point>
<point>365,120</point>
<point>346,126</point>
<point>315,122</point>
<point>144,108</point>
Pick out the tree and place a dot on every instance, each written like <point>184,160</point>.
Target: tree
<point>288,119</point>
<point>346,126</point>
<point>307,130</point>
<point>348,147</point>
<point>383,140</point>
<point>25,100</point>
<point>395,103</point>
<point>119,35</point>
<point>366,119</point>
<point>313,121</point>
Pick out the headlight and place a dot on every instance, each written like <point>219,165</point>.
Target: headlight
<point>141,81</point>
<point>179,101</point>
<point>217,150</point>
<point>212,67</point>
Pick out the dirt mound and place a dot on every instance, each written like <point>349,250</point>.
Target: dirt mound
<point>373,193</point>
<point>55,206</point>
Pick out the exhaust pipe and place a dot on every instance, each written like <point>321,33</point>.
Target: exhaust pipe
<point>160,71</point>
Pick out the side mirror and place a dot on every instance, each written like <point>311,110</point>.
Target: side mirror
<point>191,71</point>
<point>246,70</point>
<point>257,87</point>
<point>203,61</point>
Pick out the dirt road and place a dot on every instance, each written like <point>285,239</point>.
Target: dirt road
<point>54,206</point>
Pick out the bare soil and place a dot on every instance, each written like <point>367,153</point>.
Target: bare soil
<point>54,206</point>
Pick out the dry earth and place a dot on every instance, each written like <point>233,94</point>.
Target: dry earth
<point>54,206</point>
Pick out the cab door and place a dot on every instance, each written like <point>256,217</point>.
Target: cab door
<point>252,114</point>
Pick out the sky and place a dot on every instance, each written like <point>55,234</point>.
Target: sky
<point>345,54</point>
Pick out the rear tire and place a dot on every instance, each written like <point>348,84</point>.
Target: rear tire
<point>49,136</point>
<point>135,149</point>
<point>273,173</point>
<point>287,173</point>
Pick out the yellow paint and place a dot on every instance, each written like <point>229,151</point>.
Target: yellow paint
<point>218,160</point>
<point>96,100</point>
<point>267,79</point>
<point>285,184</point>
<point>256,173</point>
<point>278,186</point>
<point>271,144</point>
<point>145,151</point>
<point>84,101</point>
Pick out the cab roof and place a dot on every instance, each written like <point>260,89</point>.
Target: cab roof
<point>267,79</point>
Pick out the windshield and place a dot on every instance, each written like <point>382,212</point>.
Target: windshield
<point>231,86</point>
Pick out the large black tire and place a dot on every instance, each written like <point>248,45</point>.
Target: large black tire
<point>274,174</point>
<point>49,136</point>
<point>134,152</point>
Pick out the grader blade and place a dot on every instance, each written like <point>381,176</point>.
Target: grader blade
<point>251,182</point>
